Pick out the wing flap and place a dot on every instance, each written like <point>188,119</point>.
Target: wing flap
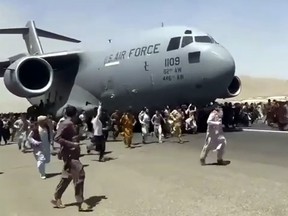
<point>60,56</point>
<point>61,60</point>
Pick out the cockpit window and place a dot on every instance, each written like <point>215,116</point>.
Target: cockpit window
<point>186,40</point>
<point>174,43</point>
<point>213,40</point>
<point>203,39</point>
<point>188,32</point>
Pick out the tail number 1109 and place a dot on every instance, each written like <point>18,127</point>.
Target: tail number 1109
<point>172,61</point>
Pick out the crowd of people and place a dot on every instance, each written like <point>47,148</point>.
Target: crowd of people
<point>39,134</point>
<point>183,119</point>
<point>273,113</point>
<point>161,123</point>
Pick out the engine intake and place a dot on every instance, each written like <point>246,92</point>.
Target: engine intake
<point>29,77</point>
<point>234,88</point>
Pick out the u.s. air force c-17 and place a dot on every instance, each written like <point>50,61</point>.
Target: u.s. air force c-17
<point>164,66</point>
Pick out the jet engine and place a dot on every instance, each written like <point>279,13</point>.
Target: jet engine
<point>28,77</point>
<point>234,88</point>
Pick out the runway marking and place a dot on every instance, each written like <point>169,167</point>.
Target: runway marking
<point>265,131</point>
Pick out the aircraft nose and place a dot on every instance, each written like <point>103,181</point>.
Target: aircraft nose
<point>223,63</point>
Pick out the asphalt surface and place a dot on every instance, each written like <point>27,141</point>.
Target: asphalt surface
<point>158,179</point>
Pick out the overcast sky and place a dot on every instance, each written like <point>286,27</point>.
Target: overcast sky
<point>255,32</point>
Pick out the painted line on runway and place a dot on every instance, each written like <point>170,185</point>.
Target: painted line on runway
<point>265,131</point>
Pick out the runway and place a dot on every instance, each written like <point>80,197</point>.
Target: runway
<point>159,179</point>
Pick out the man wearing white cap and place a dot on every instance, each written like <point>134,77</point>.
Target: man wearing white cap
<point>40,139</point>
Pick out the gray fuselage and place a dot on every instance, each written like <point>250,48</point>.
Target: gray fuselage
<point>164,66</point>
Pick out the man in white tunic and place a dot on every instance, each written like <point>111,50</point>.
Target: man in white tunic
<point>144,120</point>
<point>40,139</point>
<point>22,127</point>
<point>156,121</point>
<point>215,139</point>
<point>98,139</point>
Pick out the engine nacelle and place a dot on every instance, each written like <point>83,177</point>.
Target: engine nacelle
<point>234,88</point>
<point>29,77</point>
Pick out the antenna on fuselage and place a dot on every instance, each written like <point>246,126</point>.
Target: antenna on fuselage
<point>110,40</point>
<point>162,24</point>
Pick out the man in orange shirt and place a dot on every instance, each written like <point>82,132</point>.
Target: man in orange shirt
<point>127,122</point>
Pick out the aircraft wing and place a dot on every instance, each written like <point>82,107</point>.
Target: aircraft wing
<point>3,65</point>
<point>57,58</point>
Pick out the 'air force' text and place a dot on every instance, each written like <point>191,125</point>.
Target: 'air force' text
<point>135,52</point>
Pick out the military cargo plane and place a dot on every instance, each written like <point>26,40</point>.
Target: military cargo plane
<point>164,66</point>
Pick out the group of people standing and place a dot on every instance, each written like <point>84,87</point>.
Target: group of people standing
<point>273,113</point>
<point>276,113</point>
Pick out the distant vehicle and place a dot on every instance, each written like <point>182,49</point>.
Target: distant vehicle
<point>167,65</point>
